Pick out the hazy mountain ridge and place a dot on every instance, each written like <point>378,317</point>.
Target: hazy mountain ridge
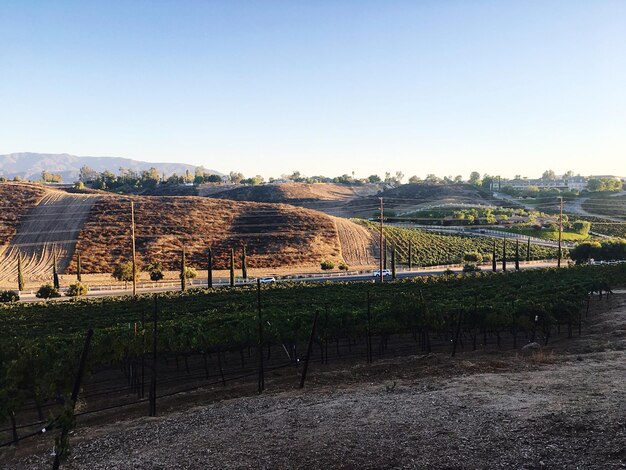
<point>29,165</point>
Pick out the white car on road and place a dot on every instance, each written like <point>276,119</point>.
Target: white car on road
<point>386,272</point>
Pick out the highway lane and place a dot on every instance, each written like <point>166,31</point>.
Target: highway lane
<point>111,291</point>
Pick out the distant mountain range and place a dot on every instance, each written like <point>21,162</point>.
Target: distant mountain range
<point>29,166</point>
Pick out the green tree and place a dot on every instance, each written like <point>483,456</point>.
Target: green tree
<point>78,268</point>
<point>20,273</point>
<point>244,269</point>
<point>155,270</point>
<point>183,271</point>
<point>123,272</point>
<point>475,178</point>
<point>47,291</point>
<point>77,289</point>
<point>232,267</point>
<point>55,273</point>
<point>210,269</point>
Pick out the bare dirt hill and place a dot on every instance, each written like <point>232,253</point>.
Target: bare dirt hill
<point>16,199</point>
<point>274,234</point>
<point>48,228</point>
<point>293,192</point>
<point>98,226</point>
<point>358,244</point>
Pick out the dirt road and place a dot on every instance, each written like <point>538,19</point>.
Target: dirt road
<point>51,227</point>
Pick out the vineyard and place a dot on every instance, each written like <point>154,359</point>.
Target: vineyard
<point>606,227</point>
<point>177,342</point>
<point>430,249</point>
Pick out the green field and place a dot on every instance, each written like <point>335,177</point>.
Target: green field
<point>431,249</point>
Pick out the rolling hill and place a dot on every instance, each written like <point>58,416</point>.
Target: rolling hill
<point>48,221</point>
<point>29,165</point>
<point>360,201</point>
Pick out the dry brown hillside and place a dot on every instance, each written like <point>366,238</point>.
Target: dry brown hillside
<point>16,199</point>
<point>291,192</point>
<point>38,222</point>
<point>274,234</point>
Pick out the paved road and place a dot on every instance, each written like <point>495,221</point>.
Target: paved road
<point>402,274</point>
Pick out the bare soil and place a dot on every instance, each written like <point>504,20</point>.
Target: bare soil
<point>562,407</point>
<point>358,244</point>
<point>49,228</point>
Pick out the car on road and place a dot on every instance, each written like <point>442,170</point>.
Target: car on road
<point>386,272</point>
<point>267,280</point>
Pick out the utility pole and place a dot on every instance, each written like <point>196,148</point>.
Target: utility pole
<point>381,277</point>
<point>132,232</point>
<point>558,259</point>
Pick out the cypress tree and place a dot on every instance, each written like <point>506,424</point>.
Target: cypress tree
<point>504,254</point>
<point>517,255</point>
<point>244,270</point>
<point>393,262</point>
<point>528,250</point>
<point>210,269</point>
<point>20,274</point>
<point>183,268</point>
<point>494,264</point>
<point>55,273</point>
<point>78,269</point>
<point>232,267</point>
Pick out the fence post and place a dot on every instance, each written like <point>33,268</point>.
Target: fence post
<point>309,349</point>
<point>261,385</point>
<point>79,375</point>
<point>153,381</point>
<point>368,339</point>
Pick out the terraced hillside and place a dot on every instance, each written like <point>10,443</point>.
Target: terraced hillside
<point>16,199</point>
<point>274,234</point>
<point>46,224</point>
<point>325,197</point>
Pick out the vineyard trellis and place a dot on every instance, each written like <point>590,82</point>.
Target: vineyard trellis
<point>227,335</point>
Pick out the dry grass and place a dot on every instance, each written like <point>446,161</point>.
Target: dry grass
<point>274,234</point>
<point>290,193</point>
<point>17,199</point>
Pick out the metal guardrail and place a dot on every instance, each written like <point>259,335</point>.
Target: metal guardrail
<point>175,285</point>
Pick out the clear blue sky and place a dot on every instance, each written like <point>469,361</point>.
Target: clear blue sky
<point>324,87</point>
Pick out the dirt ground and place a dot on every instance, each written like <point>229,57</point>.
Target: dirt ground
<point>563,407</point>
<point>51,227</point>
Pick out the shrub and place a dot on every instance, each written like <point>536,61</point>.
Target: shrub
<point>581,227</point>
<point>190,273</point>
<point>156,272</point>
<point>124,272</point>
<point>343,266</point>
<point>9,296</point>
<point>47,291</point>
<point>327,265</point>
<point>76,290</point>
<point>470,268</point>
<point>473,257</point>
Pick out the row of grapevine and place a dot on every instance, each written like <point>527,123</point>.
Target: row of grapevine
<point>40,343</point>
